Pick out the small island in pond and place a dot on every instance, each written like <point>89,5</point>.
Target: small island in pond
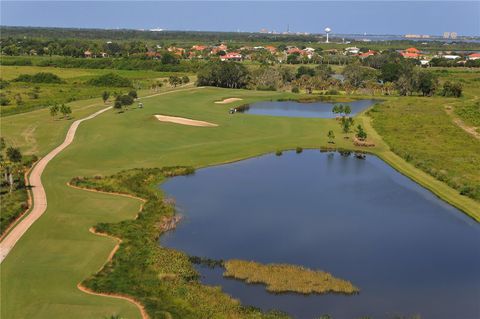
<point>281,278</point>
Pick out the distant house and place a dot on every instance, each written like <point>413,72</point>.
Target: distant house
<point>424,62</point>
<point>367,54</point>
<point>104,54</point>
<point>270,48</point>
<point>451,56</point>
<point>219,48</point>
<point>87,54</point>
<point>474,56</point>
<point>294,50</point>
<point>412,50</point>
<point>232,56</point>
<point>408,55</point>
<point>352,50</point>
<point>177,51</point>
<point>153,54</point>
<point>199,47</point>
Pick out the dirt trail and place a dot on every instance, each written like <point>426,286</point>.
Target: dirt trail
<point>469,129</point>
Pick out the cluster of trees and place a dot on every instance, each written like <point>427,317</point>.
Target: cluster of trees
<point>223,74</point>
<point>111,79</point>
<point>390,74</point>
<point>343,109</point>
<point>442,62</point>
<point>41,77</point>
<point>11,166</point>
<point>175,80</point>
<point>65,110</point>
<point>125,100</point>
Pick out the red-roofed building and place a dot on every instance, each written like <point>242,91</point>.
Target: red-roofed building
<point>296,50</point>
<point>221,47</point>
<point>232,56</point>
<point>153,54</point>
<point>412,50</point>
<point>270,48</point>
<point>367,54</point>
<point>199,47</point>
<point>409,55</point>
<point>474,56</point>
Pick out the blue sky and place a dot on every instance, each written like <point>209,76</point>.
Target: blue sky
<point>379,17</point>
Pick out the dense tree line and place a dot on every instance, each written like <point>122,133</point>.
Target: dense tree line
<point>388,77</point>
<point>122,63</point>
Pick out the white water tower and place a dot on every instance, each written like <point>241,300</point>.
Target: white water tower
<point>327,31</point>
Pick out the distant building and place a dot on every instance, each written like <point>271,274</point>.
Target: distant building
<point>451,56</point>
<point>232,56</point>
<point>411,53</point>
<point>270,48</point>
<point>352,50</point>
<point>453,35</point>
<point>474,56</point>
<point>446,35</point>
<point>367,54</point>
<point>199,47</point>
<point>87,54</point>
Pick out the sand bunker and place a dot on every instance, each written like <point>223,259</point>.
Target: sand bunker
<point>183,121</point>
<point>229,100</point>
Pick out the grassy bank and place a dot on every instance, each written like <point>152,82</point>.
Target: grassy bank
<point>280,278</point>
<point>420,131</point>
<point>60,250</point>
<point>162,279</point>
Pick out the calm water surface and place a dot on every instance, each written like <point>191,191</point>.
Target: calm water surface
<point>409,252</point>
<point>297,109</point>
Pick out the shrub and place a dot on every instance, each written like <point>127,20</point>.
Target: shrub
<point>3,84</point>
<point>332,92</point>
<point>41,77</point>
<point>133,94</point>
<point>295,89</point>
<point>298,150</point>
<point>111,79</point>
<point>278,153</point>
<point>452,89</point>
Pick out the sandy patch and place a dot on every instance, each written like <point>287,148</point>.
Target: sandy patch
<point>183,121</point>
<point>229,100</point>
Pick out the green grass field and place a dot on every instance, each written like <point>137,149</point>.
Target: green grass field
<point>40,275</point>
<point>74,88</point>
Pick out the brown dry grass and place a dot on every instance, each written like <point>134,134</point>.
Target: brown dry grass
<point>281,278</point>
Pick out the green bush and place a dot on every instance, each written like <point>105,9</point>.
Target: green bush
<point>111,79</point>
<point>41,77</point>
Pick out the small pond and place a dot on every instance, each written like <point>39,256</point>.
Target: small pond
<point>304,109</point>
<point>408,251</point>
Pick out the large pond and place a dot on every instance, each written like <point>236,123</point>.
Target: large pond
<point>408,251</point>
<point>301,109</point>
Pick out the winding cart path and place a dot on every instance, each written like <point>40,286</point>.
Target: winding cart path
<point>39,198</point>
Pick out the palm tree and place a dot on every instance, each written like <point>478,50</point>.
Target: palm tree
<point>331,137</point>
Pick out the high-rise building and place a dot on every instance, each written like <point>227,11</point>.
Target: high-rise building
<point>446,35</point>
<point>453,35</point>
